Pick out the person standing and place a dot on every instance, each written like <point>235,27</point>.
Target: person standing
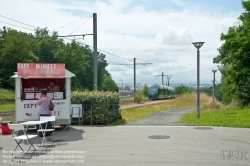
<point>44,102</point>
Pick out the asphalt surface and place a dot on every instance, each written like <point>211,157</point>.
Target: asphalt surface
<point>163,118</point>
<point>131,146</point>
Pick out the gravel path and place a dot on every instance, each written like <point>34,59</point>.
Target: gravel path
<point>164,118</point>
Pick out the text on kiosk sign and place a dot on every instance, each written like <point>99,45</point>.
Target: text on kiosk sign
<point>40,69</point>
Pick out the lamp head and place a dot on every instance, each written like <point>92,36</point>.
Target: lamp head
<point>214,71</point>
<point>198,45</point>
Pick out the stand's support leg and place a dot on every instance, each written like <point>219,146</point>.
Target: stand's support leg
<point>66,127</point>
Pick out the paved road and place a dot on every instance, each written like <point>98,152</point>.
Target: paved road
<point>164,118</point>
<point>131,146</point>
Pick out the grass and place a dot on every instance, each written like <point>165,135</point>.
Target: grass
<point>7,107</point>
<point>118,122</point>
<point>224,117</point>
<point>9,118</point>
<point>7,95</point>
<point>211,114</point>
<point>135,114</point>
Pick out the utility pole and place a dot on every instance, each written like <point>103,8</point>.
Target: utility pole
<point>134,76</point>
<point>168,77</point>
<point>213,85</point>
<point>95,50</point>
<point>135,72</point>
<point>122,87</point>
<point>162,76</point>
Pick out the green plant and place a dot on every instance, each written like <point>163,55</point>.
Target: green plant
<point>7,107</point>
<point>145,90</point>
<point>105,106</point>
<point>138,97</point>
<point>232,117</point>
<point>7,95</point>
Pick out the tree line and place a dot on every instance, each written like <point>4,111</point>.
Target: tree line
<point>234,59</point>
<point>45,47</point>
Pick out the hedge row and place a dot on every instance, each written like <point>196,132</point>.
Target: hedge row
<point>105,106</point>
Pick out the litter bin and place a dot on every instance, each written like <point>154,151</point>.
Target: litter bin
<point>5,127</point>
<point>87,105</point>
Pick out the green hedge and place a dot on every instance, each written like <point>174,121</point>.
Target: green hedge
<point>105,106</point>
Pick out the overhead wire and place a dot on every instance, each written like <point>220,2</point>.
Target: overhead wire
<point>71,33</point>
<point>80,26</point>
<point>72,22</point>
<point>16,26</point>
<point>127,65</point>
<point>18,21</point>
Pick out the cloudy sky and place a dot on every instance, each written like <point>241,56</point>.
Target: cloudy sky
<point>152,31</point>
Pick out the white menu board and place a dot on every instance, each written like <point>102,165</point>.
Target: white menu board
<point>50,95</point>
<point>29,95</point>
<point>37,95</point>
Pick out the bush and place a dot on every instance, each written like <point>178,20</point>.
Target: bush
<point>105,106</point>
<point>138,97</point>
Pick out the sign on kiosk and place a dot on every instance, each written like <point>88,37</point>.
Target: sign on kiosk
<point>31,79</point>
<point>40,69</point>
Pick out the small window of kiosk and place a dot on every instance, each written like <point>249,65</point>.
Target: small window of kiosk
<point>32,87</point>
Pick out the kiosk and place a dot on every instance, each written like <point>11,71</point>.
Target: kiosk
<point>30,79</point>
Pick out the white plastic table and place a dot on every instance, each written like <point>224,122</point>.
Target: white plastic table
<point>34,123</point>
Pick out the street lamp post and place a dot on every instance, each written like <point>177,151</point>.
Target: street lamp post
<point>213,85</point>
<point>122,87</point>
<point>198,45</point>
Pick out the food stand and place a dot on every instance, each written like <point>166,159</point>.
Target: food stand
<point>30,79</point>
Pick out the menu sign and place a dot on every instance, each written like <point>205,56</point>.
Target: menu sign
<point>41,69</point>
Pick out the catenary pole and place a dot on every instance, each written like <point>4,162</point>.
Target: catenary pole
<point>95,50</point>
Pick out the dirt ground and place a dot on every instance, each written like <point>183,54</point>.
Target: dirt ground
<point>131,104</point>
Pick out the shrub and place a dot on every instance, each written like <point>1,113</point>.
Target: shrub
<point>105,106</point>
<point>138,97</point>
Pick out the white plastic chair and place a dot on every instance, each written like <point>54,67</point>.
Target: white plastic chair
<point>18,139</point>
<point>49,119</point>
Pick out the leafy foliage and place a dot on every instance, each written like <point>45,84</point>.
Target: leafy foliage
<point>44,47</point>
<point>145,90</point>
<point>105,105</point>
<point>209,91</point>
<point>181,89</point>
<point>138,97</point>
<point>109,85</point>
<point>234,57</point>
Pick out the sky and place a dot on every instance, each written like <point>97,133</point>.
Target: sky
<point>160,32</point>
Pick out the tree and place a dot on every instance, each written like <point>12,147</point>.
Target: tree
<point>15,48</point>
<point>145,90</point>
<point>209,91</point>
<point>181,89</point>
<point>234,57</point>
<point>44,47</point>
<point>109,85</point>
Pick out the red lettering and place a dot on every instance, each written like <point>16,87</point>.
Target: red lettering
<point>35,106</point>
<point>24,106</point>
<point>28,106</point>
<point>54,113</point>
<point>31,105</point>
<point>58,113</point>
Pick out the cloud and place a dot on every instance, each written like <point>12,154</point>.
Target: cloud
<point>132,29</point>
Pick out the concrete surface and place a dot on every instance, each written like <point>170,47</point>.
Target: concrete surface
<point>130,146</point>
